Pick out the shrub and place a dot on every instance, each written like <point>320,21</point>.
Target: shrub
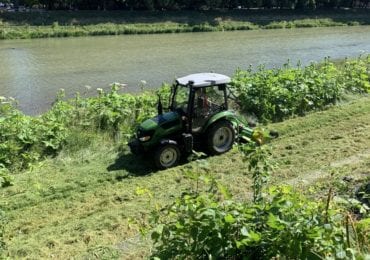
<point>273,95</point>
<point>200,226</point>
<point>25,139</point>
<point>280,223</point>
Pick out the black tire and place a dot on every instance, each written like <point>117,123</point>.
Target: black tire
<point>167,156</point>
<point>274,134</point>
<point>220,137</point>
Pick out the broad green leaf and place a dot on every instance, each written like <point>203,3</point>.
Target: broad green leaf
<point>229,219</point>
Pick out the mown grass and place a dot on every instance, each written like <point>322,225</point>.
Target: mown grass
<point>90,23</point>
<point>79,203</point>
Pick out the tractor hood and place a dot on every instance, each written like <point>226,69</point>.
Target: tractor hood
<point>153,130</point>
<point>160,121</point>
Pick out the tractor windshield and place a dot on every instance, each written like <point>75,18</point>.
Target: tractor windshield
<point>208,101</point>
<point>181,98</point>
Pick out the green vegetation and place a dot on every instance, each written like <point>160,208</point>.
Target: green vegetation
<point>26,139</point>
<point>280,222</point>
<point>81,203</point>
<point>90,23</point>
<point>76,189</point>
<point>205,225</point>
<point>162,5</point>
<point>279,93</point>
<point>2,225</point>
<point>271,95</point>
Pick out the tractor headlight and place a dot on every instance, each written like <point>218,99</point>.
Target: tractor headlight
<point>145,138</point>
<point>144,135</point>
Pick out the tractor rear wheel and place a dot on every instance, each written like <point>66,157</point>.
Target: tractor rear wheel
<point>220,137</point>
<point>167,156</point>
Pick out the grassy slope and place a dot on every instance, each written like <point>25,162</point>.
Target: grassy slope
<point>80,202</point>
<point>82,23</point>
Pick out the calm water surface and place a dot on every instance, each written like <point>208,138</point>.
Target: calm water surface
<point>33,70</point>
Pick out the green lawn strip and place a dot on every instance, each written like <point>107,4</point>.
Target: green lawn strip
<point>321,138</point>
<point>73,205</point>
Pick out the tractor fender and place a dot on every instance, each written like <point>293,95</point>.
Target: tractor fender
<point>168,141</point>
<point>229,115</point>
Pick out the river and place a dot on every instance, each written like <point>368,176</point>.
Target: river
<point>32,71</point>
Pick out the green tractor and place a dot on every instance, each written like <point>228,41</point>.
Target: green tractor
<point>198,118</point>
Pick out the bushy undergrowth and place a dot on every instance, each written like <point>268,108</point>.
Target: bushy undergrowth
<point>270,94</point>
<point>25,139</point>
<point>280,223</point>
<point>287,224</point>
<point>273,95</point>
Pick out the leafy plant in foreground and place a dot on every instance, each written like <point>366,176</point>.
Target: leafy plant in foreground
<point>287,225</point>
<point>258,164</point>
<point>284,224</point>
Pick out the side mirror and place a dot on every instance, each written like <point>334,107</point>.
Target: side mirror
<point>160,106</point>
<point>171,98</point>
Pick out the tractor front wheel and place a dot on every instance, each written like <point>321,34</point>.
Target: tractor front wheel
<point>220,137</point>
<point>167,156</point>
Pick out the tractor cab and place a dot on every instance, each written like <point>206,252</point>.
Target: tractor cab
<point>197,119</point>
<point>198,97</point>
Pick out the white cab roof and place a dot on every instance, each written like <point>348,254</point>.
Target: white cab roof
<point>204,79</point>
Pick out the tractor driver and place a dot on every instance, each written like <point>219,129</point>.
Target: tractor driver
<point>201,108</point>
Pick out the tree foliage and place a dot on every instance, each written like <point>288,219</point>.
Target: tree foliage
<point>189,4</point>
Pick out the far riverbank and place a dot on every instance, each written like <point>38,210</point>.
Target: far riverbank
<point>51,24</point>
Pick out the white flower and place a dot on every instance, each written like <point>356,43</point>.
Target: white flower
<point>113,84</point>
<point>117,84</point>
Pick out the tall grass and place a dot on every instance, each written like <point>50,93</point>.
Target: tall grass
<point>273,95</point>
<point>75,24</point>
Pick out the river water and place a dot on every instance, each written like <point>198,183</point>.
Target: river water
<point>32,71</point>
